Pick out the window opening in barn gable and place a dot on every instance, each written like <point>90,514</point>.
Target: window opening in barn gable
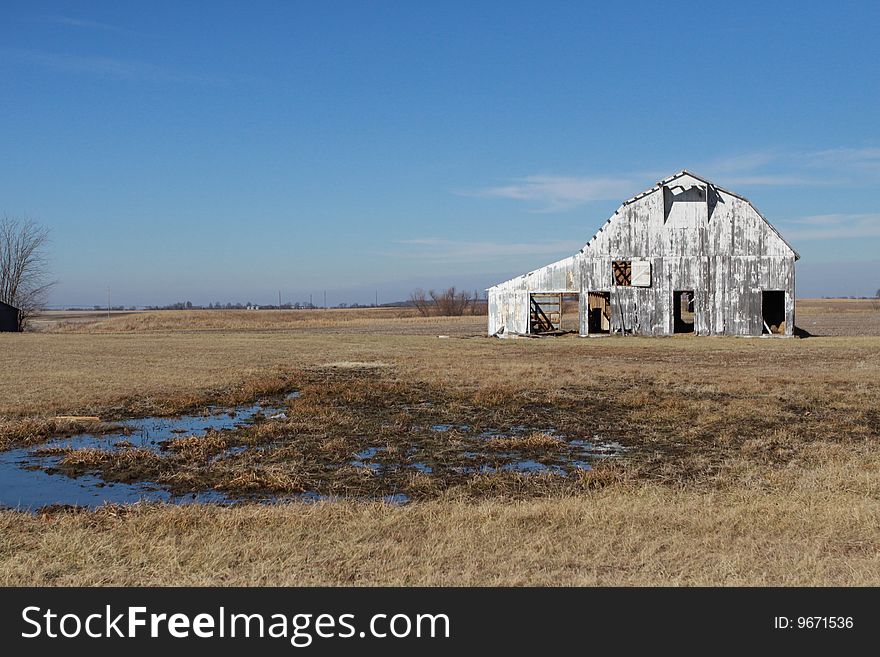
<point>599,312</point>
<point>621,271</point>
<point>683,311</point>
<point>686,206</point>
<point>773,311</point>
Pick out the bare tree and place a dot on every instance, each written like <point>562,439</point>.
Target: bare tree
<point>23,266</point>
<point>479,306</point>
<point>419,299</point>
<point>450,301</point>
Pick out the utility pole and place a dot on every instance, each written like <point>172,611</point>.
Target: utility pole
<point>108,302</point>
<point>325,299</point>
<point>279,299</point>
<point>377,298</point>
<point>310,301</point>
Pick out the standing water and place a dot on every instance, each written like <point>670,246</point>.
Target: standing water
<point>29,477</point>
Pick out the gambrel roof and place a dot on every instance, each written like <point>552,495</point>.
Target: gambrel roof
<point>684,174</point>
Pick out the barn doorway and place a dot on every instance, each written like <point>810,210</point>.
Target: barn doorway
<point>773,312</point>
<point>599,312</point>
<point>570,321</point>
<point>554,312</point>
<point>683,311</point>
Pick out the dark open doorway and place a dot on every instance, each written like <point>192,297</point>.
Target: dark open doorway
<point>773,311</point>
<point>599,312</point>
<point>683,311</point>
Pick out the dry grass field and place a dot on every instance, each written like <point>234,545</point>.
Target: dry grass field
<point>748,461</point>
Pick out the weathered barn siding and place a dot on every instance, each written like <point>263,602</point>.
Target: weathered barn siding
<point>695,237</point>
<point>509,302</point>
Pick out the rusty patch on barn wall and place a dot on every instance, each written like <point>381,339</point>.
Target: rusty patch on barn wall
<point>685,233</point>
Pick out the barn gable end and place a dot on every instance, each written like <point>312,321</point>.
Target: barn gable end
<point>684,255</point>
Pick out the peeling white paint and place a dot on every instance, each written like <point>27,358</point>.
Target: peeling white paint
<point>695,236</point>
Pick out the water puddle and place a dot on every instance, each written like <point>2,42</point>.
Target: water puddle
<point>367,453</point>
<point>33,477</point>
<point>29,477</point>
<point>530,465</point>
<point>574,455</point>
<point>360,459</point>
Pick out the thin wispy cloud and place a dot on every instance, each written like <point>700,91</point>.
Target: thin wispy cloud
<point>850,159</point>
<point>775,180</point>
<point>438,249</point>
<point>109,67</point>
<point>551,193</point>
<point>845,167</point>
<point>742,162</point>
<point>833,226</point>
<point>758,168</point>
<point>82,23</point>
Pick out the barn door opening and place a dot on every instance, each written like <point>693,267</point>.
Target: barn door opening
<point>683,311</point>
<point>544,312</point>
<point>552,312</point>
<point>570,319</point>
<point>773,311</point>
<point>599,312</point>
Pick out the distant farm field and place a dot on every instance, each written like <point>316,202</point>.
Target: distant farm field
<point>727,461</point>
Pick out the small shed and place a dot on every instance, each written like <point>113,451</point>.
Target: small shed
<point>10,318</point>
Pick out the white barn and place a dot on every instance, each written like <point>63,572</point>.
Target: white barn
<point>683,256</point>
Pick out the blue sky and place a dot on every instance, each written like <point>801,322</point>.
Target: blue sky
<point>225,150</point>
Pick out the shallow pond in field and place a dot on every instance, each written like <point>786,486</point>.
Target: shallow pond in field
<point>29,477</point>
<point>436,455</point>
<point>576,456</point>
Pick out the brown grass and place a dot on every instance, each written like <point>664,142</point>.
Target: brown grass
<point>30,430</point>
<point>199,447</point>
<point>817,532</point>
<point>258,320</point>
<point>266,479</point>
<point>123,465</point>
<point>810,307</point>
<point>751,461</point>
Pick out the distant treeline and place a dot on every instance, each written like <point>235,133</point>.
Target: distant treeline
<point>876,296</point>
<point>448,302</point>
<point>445,302</point>
<point>463,302</point>
<point>188,305</point>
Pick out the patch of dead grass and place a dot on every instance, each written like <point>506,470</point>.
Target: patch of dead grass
<point>752,461</point>
<point>631,535</point>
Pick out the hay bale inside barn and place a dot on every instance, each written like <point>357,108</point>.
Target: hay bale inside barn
<point>684,256</point>
<point>10,318</point>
